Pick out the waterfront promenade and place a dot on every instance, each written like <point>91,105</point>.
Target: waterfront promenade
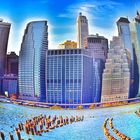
<point>124,119</point>
<point>70,106</point>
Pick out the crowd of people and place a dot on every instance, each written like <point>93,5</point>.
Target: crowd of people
<point>41,124</point>
<point>117,132</point>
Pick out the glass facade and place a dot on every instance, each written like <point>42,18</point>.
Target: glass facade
<point>10,84</point>
<point>98,67</point>
<point>32,61</point>
<point>4,35</point>
<point>125,35</point>
<point>69,76</point>
<point>135,35</point>
<point>98,48</point>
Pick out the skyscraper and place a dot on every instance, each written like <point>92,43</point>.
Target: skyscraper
<point>135,34</point>
<point>32,60</point>
<point>69,76</point>
<point>82,30</point>
<point>4,35</point>
<point>125,35</point>
<point>116,75</point>
<point>98,47</point>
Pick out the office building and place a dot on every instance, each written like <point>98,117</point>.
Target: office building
<point>98,46</point>
<point>10,84</point>
<point>68,45</point>
<point>116,75</point>
<point>82,30</point>
<point>12,63</point>
<point>135,36</point>
<point>69,76</point>
<point>4,35</point>
<point>32,61</point>
<point>125,35</point>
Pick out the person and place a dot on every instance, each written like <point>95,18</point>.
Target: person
<point>2,136</point>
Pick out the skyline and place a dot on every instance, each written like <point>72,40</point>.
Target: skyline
<point>101,14</point>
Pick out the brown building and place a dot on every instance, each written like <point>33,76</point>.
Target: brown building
<point>12,63</point>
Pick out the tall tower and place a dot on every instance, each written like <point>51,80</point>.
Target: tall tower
<point>82,27</point>
<point>116,76</point>
<point>125,35</point>
<point>4,35</point>
<point>32,59</point>
<point>135,34</point>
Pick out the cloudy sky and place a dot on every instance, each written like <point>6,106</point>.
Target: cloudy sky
<point>61,16</point>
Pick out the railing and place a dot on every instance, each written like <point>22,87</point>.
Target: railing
<point>85,105</point>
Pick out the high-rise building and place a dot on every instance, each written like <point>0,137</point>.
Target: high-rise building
<point>12,63</point>
<point>4,35</point>
<point>98,46</point>
<point>135,34</point>
<point>82,27</point>
<point>69,76</point>
<point>68,45</point>
<point>125,35</point>
<point>116,75</point>
<point>32,61</point>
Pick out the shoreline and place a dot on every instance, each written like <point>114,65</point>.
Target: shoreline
<point>59,107</point>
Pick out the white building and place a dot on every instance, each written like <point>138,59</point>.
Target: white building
<point>82,27</point>
<point>116,75</point>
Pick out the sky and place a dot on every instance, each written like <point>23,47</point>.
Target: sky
<point>61,16</point>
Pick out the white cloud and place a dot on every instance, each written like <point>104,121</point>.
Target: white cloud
<point>88,8</point>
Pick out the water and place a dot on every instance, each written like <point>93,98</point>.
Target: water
<point>125,120</point>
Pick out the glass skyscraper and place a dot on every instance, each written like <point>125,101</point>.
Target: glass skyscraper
<point>135,34</point>
<point>4,35</point>
<point>125,35</point>
<point>98,48</point>
<point>32,61</point>
<point>69,76</point>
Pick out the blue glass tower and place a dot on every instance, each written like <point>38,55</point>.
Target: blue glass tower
<point>4,35</point>
<point>135,34</point>
<point>125,35</point>
<point>32,60</point>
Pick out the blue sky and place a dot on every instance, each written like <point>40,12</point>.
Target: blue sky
<point>61,16</point>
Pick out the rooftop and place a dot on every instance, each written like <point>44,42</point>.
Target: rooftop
<point>123,20</point>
